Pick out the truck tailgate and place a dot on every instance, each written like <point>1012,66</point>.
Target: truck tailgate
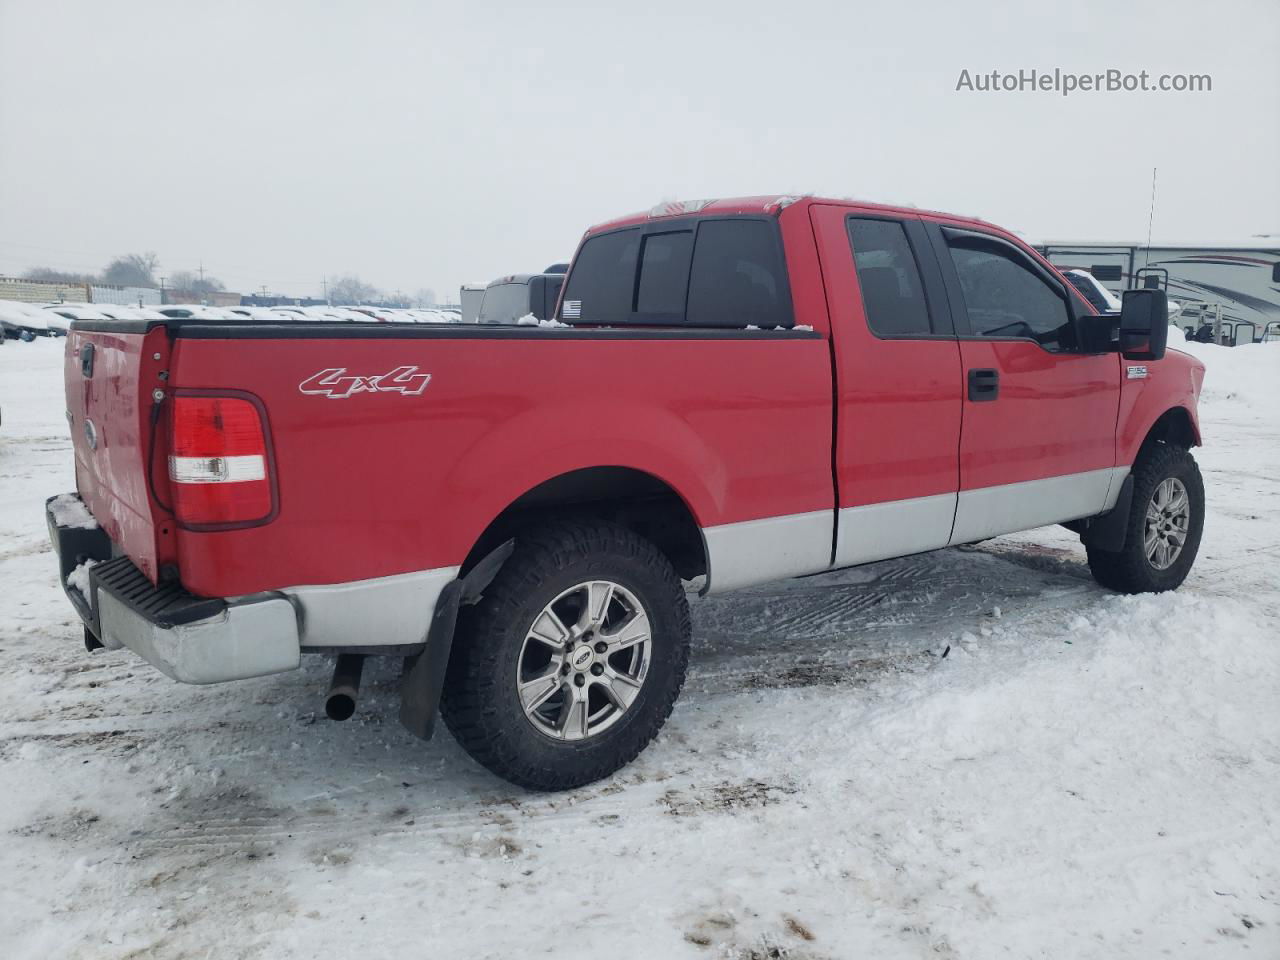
<point>109,379</point>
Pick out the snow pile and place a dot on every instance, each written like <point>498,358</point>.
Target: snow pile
<point>69,511</point>
<point>79,579</point>
<point>1247,376</point>
<point>529,320</point>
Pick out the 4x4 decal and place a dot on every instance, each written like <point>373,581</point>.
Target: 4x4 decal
<point>332,384</point>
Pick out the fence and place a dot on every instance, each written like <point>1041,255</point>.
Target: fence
<point>40,291</point>
<point>123,296</point>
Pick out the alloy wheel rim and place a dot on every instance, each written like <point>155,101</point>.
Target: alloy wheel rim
<point>584,660</point>
<point>1168,521</point>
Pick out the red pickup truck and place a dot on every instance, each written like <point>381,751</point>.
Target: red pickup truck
<point>735,392</point>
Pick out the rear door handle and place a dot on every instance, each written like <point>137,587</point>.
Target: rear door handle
<point>984,385</point>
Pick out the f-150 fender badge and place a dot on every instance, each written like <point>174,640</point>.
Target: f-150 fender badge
<point>1137,373</point>
<point>333,384</point>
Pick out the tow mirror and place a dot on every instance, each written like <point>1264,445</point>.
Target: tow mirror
<point>1144,324</point>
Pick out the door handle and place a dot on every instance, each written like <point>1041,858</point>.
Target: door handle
<point>984,385</point>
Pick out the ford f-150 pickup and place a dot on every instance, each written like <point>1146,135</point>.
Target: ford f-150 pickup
<point>734,392</point>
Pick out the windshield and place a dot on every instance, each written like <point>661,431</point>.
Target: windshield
<point>504,302</point>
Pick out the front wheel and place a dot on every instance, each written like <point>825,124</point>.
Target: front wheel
<point>572,661</point>
<point>1166,519</point>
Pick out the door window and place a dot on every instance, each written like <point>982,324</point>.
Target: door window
<point>1006,298</point>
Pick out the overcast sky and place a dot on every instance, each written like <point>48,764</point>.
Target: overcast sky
<point>425,145</point>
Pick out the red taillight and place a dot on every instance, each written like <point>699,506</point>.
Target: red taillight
<point>219,467</point>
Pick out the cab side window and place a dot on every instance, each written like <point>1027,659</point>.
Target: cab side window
<point>1006,298</point>
<point>892,295</point>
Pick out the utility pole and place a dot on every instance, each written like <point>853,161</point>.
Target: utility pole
<point>201,273</point>
<point>324,285</point>
<point>162,280</point>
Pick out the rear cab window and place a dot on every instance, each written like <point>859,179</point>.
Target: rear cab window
<point>664,275</point>
<point>714,272</point>
<point>601,280</point>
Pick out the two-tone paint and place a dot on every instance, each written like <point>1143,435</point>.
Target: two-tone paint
<point>793,450</point>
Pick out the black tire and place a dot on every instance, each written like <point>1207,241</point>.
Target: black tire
<point>480,703</point>
<point>1129,570</point>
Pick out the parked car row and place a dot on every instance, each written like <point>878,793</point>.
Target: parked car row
<point>26,321</point>
<point>354,314</point>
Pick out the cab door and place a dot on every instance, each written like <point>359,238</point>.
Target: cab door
<point>1037,445</point>
<point>898,382</point>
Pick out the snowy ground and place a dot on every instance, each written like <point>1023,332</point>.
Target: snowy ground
<point>1084,775</point>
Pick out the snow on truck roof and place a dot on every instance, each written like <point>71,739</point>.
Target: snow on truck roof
<point>770,205</point>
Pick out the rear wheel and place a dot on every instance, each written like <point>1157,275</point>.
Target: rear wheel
<point>1166,519</point>
<point>571,662</point>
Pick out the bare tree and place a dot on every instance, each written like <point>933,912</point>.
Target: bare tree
<point>132,270</point>
<point>351,289</point>
<point>190,281</point>
<point>50,275</point>
<point>426,297</point>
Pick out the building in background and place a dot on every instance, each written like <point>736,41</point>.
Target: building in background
<point>123,296</point>
<point>210,298</point>
<point>469,297</point>
<point>40,291</point>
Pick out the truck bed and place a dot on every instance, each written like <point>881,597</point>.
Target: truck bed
<point>378,482</point>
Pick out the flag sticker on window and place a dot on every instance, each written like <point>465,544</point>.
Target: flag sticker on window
<point>572,310</point>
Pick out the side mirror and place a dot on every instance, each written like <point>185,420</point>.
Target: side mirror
<point>1144,324</point>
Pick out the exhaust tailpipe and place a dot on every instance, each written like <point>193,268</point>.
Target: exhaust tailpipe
<point>340,703</point>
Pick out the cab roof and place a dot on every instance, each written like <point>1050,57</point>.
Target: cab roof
<point>769,205</point>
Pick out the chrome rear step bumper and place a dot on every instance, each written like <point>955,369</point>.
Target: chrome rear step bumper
<point>191,639</point>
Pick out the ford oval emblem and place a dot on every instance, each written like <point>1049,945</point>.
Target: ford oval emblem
<point>91,433</point>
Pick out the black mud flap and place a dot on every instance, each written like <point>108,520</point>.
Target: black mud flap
<point>424,682</point>
<point>420,690</point>
<point>1107,532</point>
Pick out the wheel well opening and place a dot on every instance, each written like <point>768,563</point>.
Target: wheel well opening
<point>1174,427</point>
<point>632,498</point>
